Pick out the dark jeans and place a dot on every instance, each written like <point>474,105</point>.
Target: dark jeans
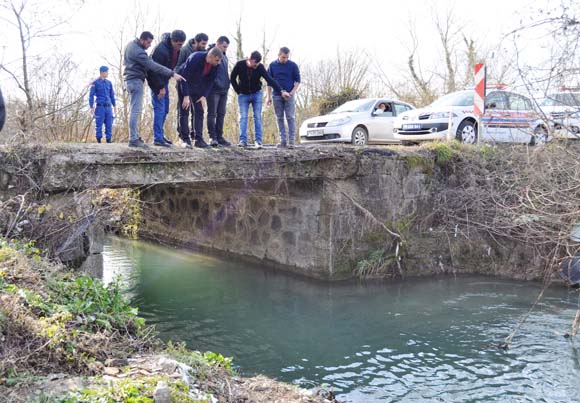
<point>197,112</point>
<point>183,119</point>
<point>216,113</point>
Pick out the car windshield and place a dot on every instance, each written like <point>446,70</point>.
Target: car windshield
<point>463,98</point>
<point>568,99</point>
<point>360,105</point>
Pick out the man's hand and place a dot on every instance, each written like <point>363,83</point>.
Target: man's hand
<point>268,101</point>
<point>161,93</point>
<point>179,77</point>
<point>203,102</point>
<point>185,104</point>
<point>286,95</point>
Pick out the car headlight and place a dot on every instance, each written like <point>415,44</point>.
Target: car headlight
<point>441,115</point>
<point>338,122</point>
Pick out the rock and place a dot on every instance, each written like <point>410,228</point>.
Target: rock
<point>168,366</point>
<point>117,362</point>
<point>96,367</point>
<point>162,393</point>
<point>111,371</point>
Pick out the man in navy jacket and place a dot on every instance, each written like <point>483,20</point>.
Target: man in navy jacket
<point>200,71</point>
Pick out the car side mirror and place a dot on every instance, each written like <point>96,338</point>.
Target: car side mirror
<point>377,112</point>
<point>490,105</point>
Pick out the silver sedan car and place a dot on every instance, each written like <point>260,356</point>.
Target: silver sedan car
<point>359,122</point>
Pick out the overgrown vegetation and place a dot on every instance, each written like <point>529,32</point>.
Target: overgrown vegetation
<point>51,319</point>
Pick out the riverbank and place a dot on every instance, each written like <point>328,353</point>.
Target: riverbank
<point>67,338</point>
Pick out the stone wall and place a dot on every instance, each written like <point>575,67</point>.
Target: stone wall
<point>322,227</point>
<point>319,227</point>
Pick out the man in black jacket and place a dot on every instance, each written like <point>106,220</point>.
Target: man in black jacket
<point>246,78</point>
<point>218,98</point>
<point>196,44</point>
<point>166,54</point>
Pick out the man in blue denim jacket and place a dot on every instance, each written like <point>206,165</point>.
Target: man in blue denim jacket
<point>102,90</point>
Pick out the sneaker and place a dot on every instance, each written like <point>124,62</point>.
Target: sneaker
<point>200,144</point>
<point>223,142</point>
<point>161,144</point>
<point>214,143</point>
<point>186,143</point>
<point>139,143</point>
<point>291,146</point>
<point>257,145</point>
<point>242,144</point>
<point>167,140</point>
<point>109,140</point>
<point>281,145</point>
<point>99,141</point>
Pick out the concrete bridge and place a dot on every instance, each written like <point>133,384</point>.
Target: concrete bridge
<point>316,210</point>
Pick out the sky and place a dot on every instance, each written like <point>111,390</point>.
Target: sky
<point>313,30</point>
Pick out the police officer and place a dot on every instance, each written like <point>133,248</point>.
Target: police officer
<point>102,89</point>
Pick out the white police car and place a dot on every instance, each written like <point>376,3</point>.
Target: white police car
<point>509,117</point>
<point>562,108</point>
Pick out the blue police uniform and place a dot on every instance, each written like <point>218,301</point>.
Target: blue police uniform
<point>105,96</point>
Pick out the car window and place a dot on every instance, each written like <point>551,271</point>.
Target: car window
<point>360,105</point>
<point>569,99</point>
<point>400,108</point>
<point>496,98</point>
<point>520,103</point>
<point>388,110</point>
<point>462,98</point>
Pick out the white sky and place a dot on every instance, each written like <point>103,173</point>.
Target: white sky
<point>312,29</point>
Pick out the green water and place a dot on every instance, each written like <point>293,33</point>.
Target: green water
<point>425,340</point>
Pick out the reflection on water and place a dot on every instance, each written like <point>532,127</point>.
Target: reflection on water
<point>419,340</point>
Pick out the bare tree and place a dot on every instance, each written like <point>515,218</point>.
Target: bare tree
<point>32,20</point>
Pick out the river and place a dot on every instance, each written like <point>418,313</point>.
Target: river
<point>418,340</point>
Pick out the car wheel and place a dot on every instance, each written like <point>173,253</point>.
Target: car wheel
<point>359,136</point>
<point>540,136</point>
<point>467,132</point>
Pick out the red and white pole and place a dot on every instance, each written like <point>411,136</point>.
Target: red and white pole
<point>479,97</point>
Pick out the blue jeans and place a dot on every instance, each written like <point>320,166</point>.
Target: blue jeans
<point>244,101</point>
<point>285,107</point>
<point>104,115</point>
<point>160,111</point>
<point>135,89</point>
<point>216,113</point>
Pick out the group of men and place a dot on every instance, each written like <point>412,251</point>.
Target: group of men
<point>203,81</point>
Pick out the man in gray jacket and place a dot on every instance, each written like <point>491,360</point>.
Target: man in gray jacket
<point>137,63</point>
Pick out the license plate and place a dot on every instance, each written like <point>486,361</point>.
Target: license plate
<point>412,126</point>
<point>317,132</point>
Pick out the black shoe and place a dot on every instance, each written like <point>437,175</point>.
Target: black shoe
<point>281,145</point>
<point>199,143</point>
<point>109,140</point>
<point>161,144</point>
<point>139,143</point>
<point>167,140</point>
<point>99,141</point>
<point>223,142</point>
